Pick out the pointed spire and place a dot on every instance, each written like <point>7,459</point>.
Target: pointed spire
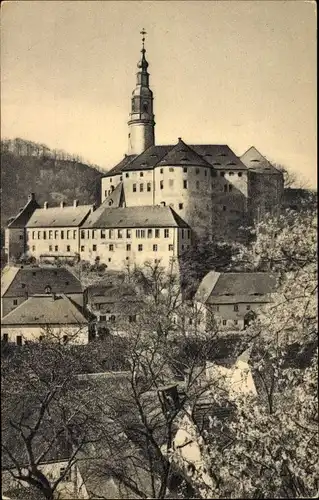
<point>143,64</point>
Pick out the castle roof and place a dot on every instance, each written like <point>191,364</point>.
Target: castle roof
<point>181,154</point>
<point>116,198</point>
<point>45,310</point>
<point>16,281</point>
<point>59,216</point>
<point>256,162</point>
<point>218,156</point>
<point>25,213</point>
<point>140,216</point>
<point>231,288</point>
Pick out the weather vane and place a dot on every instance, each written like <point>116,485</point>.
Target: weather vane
<point>143,33</point>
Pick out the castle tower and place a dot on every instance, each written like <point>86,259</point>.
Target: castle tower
<point>141,123</point>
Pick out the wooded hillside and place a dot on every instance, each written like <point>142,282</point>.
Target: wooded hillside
<point>53,175</point>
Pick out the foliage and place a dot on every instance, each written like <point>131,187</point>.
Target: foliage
<point>53,180</point>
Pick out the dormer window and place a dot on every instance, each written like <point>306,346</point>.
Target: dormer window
<point>255,160</point>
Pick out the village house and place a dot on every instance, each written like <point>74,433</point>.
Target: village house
<point>18,283</point>
<point>53,317</point>
<point>234,299</point>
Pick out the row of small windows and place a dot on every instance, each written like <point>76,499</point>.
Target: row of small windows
<point>52,248</point>
<point>236,308</point>
<point>121,233</point>
<point>53,234</point>
<point>129,248</point>
<point>185,170</point>
<point>171,185</point>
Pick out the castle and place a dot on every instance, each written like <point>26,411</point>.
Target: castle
<point>155,201</point>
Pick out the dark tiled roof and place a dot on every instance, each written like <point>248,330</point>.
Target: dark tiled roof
<point>116,198</point>
<point>35,279</point>
<point>59,217</point>
<point>43,310</point>
<point>219,156</point>
<point>110,294</point>
<point>22,218</point>
<point>144,216</point>
<point>228,288</point>
<point>256,162</point>
<point>148,159</point>
<point>181,154</point>
<point>119,167</point>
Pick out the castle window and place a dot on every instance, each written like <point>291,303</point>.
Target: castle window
<point>134,188</point>
<point>197,184</point>
<point>119,233</point>
<point>5,337</point>
<point>103,234</point>
<point>240,174</point>
<point>62,235</point>
<point>231,173</point>
<point>33,235</point>
<point>224,322</point>
<point>111,179</point>
<point>171,169</point>
<point>50,248</point>
<point>94,248</point>
<point>50,235</point>
<point>236,307</point>
<point>170,248</point>
<point>185,170</point>
<point>166,233</point>
<point>111,247</point>
<point>197,171</point>
<point>171,183</point>
<point>82,248</point>
<point>33,248</point>
<point>161,184</point>
<point>68,248</point>
<point>140,248</point>
<point>205,173</point>
<point>155,247</point>
<point>142,233</point>
<point>138,233</point>
<point>185,184</point>
<point>39,235</point>
<point>110,203</point>
<point>19,339</point>
<point>157,233</point>
<point>248,308</point>
<point>180,206</point>
<point>141,174</point>
<point>148,186</point>
<point>230,188</point>
<point>182,233</point>
<point>188,233</point>
<point>111,233</point>
<point>109,259</point>
<point>56,248</point>
<point>128,233</point>
<point>149,233</point>
<point>141,188</point>
<point>222,174</point>
<point>121,178</point>
<point>93,234</point>
<point>127,175</point>
<point>128,247</point>
<point>82,234</point>
<point>161,170</point>
<point>15,302</point>
<point>74,234</point>
<point>224,208</point>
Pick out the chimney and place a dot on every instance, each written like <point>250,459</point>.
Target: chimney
<point>76,203</point>
<point>62,204</point>
<point>45,205</point>
<point>31,197</point>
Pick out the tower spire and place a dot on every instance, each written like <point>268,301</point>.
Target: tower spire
<point>141,122</point>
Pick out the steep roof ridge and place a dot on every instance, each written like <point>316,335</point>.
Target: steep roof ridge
<point>7,276</point>
<point>167,159</point>
<point>178,219</point>
<point>73,216</point>
<point>265,159</point>
<point>23,214</point>
<point>156,149</point>
<point>117,169</point>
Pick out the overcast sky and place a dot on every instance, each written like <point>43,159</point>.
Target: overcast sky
<point>237,73</point>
